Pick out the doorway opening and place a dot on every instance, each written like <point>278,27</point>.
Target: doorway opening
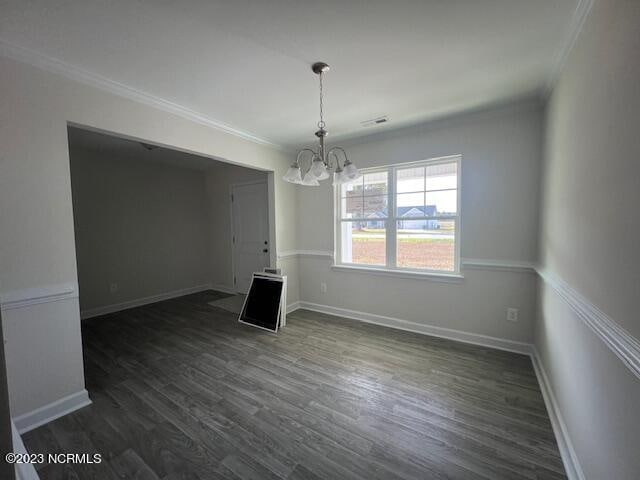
<point>153,223</point>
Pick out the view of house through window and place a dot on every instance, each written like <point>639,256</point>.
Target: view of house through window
<point>367,202</point>
<point>403,216</point>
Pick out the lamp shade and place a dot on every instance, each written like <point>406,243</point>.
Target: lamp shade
<point>350,171</point>
<point>318,169</point>
<point>310,180</point>
<point>293,175</point>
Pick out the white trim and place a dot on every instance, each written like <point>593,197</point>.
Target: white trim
<point>33,296</point>
<point>620,342</point>
<point>567,452</point>
<point>116,307</point>
<point>292,307</point>
<point>391,219</point>
<point>432,330</point>
<point>399,273</point>
<point>578,19</point>
<point>72,72</point>
<point>30,420</point>
<point>498,265</point>
<point>305,253</point>
<point>24,471</point>
<point>223,289</point>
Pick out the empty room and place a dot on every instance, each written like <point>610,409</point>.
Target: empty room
<point>319,240</point>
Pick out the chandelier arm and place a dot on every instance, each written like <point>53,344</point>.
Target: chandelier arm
<point>313,155</point>
<point>328,163</point>
<point>332,152</point>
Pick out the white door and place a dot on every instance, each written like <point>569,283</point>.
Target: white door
<point>250,232</point>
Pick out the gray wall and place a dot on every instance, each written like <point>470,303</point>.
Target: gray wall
<point>590,230</point>
<point>37,247</point>
<point>501,157</point>
<point>140,224</point>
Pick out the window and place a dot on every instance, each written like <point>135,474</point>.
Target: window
<point>402,217</point>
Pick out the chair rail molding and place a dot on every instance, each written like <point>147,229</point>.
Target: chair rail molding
<point>498,265</point>
<point>26,297</point>
<point>624,345</point>
<point>305,253</point>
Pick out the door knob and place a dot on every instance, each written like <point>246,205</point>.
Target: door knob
<point>265,250</point>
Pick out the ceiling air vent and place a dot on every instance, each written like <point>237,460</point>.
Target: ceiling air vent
<point>375,121</point>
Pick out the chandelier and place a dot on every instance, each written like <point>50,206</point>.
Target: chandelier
<point>321,163</point>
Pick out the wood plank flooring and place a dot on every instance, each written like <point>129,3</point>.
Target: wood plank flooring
<point>181,390</point>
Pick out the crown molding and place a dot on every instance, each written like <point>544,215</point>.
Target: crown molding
<point>529,101</point>
<point>77,74</point>
<point>624,345</point>
<point>578,19</point>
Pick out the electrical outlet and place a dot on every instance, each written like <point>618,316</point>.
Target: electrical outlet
<point>323,287</point>
<point>512,314</point>
<point>113,288</point>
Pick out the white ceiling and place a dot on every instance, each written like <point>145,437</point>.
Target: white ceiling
<point>245,63</point>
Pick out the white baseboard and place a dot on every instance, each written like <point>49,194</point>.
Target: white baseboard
<point>223,289</point>
<point>292,307</point>
<point>567,452</point>
<point>117,307</point>
<point>24,471</point>
<point>30,420</point>
<point>434,331</point>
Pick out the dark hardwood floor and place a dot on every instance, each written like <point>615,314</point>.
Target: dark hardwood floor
<point>181,390</point>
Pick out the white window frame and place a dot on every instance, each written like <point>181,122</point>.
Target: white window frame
<point>391,222</point>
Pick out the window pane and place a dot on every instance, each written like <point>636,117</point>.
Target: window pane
<point>352,207</point>
<point>364,242</point>
<point>441,203</point>
<point>442,176</point>
<point>410,205</point>
<point>375,183</point>
<point>352,188</point>
<point>410,180</point>
<point>427,244</point>
<point>375,206</point>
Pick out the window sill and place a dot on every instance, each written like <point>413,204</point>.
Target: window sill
<point>430,276</point>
